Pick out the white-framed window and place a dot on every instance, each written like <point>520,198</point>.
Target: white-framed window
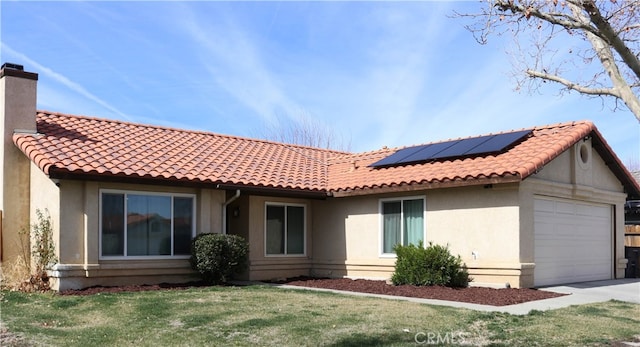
<point>146,225</point>
<point>401,222</point>
<point>285,229</point>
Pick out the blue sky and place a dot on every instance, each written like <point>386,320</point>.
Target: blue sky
<point>378,73</point>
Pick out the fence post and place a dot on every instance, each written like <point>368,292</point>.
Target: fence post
<point>1,244</point>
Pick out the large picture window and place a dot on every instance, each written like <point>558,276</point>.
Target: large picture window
<point>402,222</point>
<point>142,224</point>
<point>285,229</point>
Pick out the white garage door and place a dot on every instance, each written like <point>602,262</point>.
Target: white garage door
<point>573,242</point>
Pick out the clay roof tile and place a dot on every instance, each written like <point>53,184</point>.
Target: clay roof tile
<point>85,145</point>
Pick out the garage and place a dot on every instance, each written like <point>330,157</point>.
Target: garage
<point>573,241</point>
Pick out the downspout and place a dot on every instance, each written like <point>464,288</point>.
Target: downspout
<point>224,210</point>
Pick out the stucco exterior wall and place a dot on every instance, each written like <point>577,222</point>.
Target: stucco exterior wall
<point>79,238</point>
<point>17,112</point>
<point>268,267</point>
<point>569,176</point>
<point>45,197</point>
<point>347,237</point>
<point>481,225</point>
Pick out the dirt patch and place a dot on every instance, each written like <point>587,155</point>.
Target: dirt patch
<point>10,339</point>
<point>475,295</point>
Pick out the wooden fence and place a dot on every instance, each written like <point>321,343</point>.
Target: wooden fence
<point>1,249</point>
<point>632,235</point>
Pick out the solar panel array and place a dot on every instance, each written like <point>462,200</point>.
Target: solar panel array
<point>475,146</point>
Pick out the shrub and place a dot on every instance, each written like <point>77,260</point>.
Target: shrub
<point>44,250</point>
<point>28,271</point>
<point>434,265</point>
<point>218,257</point>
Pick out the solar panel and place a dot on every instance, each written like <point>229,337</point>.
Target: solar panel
<point>463,146</point>
<point>429,152</point>
<point>499,142</point>
<point>398,156</point>
<point>457,148</point>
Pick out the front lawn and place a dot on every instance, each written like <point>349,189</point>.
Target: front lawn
<point>266,316</point>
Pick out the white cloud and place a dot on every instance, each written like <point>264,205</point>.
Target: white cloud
<point>61,79</point>
<point>233,60</point>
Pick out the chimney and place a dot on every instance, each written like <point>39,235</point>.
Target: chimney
<point>17,112</point>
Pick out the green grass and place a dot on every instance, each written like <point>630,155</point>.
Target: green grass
<point>266,316</point>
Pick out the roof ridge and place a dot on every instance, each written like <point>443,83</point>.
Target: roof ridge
<point>386,149</point>
<point>549,126</point>
<point>193,131</point>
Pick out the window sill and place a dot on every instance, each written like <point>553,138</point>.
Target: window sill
<point>146,257</point>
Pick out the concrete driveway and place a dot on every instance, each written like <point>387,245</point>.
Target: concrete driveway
<point>626,289</point>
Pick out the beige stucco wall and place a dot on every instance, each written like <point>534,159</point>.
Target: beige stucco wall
<point>17,112</point>
<point>347,237</point>
<point>44,196</point>
<point>261,266</point>
<point>567,177</point>
<point>79,238</point>
<point>481,225</point>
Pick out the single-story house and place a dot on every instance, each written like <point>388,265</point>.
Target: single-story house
<point>531,207</point>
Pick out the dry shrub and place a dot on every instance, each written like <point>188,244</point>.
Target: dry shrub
<point>14,273</point>
<point>21,274</point>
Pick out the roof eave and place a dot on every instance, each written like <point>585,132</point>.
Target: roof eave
<point>631,186</point>
<point>407,187</point>
<point>61,173</point>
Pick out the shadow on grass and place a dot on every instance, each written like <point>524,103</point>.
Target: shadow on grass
<point>357,340</point>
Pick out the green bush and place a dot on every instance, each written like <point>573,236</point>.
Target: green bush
<point>429,266</point>
<point>218,257</point>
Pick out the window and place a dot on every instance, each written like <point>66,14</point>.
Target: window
<point>145,224</point>
<point>285,229</point>
<point>402,222</point>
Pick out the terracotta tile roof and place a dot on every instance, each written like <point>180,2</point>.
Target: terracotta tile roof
<point>85,147</point>
<point>352,174</point>
<point>636,176</point>
<point>68,145</point>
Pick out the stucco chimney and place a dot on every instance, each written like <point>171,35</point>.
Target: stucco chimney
<point>17,112</point>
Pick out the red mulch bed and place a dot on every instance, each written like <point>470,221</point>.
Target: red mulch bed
<point>476,295</point>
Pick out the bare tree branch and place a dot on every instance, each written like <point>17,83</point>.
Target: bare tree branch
<point>305,131</point>
<point>571,85</point>
<point>606,30</point>
<point>556,18</point>
<point>603,51</point>
<point>610,36</point>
